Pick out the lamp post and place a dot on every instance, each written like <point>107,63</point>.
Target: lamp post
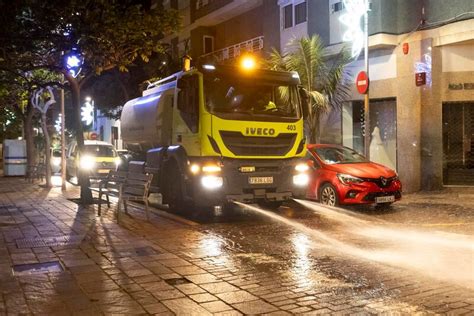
<point>355,10</point>
<point>73,64</point>
<point>366,96</point>
<point>63,142</point>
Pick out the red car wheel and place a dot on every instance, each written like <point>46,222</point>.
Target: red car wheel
<point>328,195</point>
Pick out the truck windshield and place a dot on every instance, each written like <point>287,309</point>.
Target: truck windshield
<point>255,99</point>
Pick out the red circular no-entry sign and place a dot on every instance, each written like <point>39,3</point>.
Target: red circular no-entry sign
<point>362,82</point>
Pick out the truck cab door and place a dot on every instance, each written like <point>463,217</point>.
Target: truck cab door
<point>186,120</point>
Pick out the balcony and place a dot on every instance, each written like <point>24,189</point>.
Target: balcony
<point>231,52</point>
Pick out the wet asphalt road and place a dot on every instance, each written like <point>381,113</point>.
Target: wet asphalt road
<point>424,243</point>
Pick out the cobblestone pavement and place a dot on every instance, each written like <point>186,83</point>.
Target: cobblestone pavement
<point>416,257</point>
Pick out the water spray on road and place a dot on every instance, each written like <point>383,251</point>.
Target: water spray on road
<point>443,256</point>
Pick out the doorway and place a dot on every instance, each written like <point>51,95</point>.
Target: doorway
<point>383,129</point>
<point>458,143</point>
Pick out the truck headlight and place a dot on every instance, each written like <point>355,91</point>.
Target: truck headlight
<point>212,182</point>
<point>302,167</point>
<point>117,161</point>
<point>87,162</point>
<point>301,179</point>
<point>194,168</point>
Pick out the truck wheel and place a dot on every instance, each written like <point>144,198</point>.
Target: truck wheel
<point>174,192</point>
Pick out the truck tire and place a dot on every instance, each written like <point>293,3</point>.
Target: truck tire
<point>174,194</point>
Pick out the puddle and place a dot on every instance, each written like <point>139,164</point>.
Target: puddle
<point>37,268</point>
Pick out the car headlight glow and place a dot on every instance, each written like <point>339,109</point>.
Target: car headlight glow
<point>302,167</point>
<point>301,179</point>
<point>117,161</point>
<point>348,179</point>
<point>87,162</point>
<point>212,182</point>
<point>56,162</point>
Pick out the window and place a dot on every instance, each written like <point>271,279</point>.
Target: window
<point>336,7</point>
<point>300,13</point>
<point>188,101</point>
<point>339,6</point>
<point>228,95</point>
<point>208,44</point>
<point>288,16</point>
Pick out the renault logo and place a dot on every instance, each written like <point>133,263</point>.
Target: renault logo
<point>384,181</point>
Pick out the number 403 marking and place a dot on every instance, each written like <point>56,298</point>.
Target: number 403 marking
<point>291,127</point>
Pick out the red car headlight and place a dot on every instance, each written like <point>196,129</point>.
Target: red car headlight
<point>348,179</point>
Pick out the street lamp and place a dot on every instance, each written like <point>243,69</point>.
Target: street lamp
<point>73,62</point>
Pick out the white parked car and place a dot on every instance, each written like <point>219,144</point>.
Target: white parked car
<point>98,159</point>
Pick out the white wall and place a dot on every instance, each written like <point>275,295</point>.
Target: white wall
<point>297,31</point>
<point>458,57</point>
<point>381,67</point>
<point>107,124</point>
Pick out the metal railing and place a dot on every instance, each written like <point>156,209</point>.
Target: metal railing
<point>230,52</point>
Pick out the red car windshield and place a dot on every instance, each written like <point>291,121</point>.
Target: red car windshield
<point>338,155</point>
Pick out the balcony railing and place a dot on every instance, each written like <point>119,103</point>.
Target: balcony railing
<point>231,52</point>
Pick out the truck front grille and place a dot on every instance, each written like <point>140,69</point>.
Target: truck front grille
<point>241,145</point>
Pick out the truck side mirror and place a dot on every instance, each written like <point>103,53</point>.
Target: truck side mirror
<point>304,102</point>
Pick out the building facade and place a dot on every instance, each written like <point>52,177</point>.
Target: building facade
<point>422,128</point>
<point>224,29</point>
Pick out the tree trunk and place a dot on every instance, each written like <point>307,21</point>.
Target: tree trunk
<point>47,150</point>
<point>315,135</point>
<point>83,178</point>
<point>29,137</point>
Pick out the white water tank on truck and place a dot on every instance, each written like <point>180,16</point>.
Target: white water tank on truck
<point>146,122</point>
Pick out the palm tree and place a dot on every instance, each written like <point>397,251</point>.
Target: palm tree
<point>321,77</point>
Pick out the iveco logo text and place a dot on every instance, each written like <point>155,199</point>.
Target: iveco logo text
<point>259,131</point>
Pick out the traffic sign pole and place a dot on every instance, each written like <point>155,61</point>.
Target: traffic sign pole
<point>366,98</point>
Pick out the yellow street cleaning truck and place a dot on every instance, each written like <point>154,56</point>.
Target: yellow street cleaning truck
<point>214,134</point>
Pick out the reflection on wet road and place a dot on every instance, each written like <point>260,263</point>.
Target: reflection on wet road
<point>296,236</point>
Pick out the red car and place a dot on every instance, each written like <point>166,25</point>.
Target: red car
<point>343,176</point>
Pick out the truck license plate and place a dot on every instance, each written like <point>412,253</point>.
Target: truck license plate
<point>103,171</point>
<point>385,199</point>
<point>260,180</point>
